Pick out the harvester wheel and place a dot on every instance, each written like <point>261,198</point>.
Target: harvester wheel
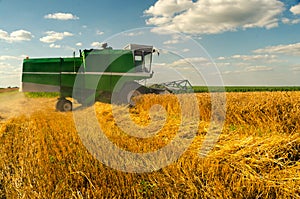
<point>129,91</point>
<point>131,95</point>
<point>64,105</point>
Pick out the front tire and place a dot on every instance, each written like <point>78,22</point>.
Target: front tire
<point>129,92</point>
<point>64,105</point>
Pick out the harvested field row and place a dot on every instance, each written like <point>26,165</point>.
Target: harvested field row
<point>257,155</point>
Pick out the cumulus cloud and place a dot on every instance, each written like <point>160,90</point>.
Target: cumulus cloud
<point>99,32</point>
<point>248,69</point>
<point>213,16</point>
<point>264,57</point>
<point>289,49</point>
<point>195,61</point>
<point>290,21</point>
<point>16,36</point>
<point>54,46</point>
<point>133,34</point>
<point>97,44</point>
<point>175,39</point>
<point>223,64</point>
<point>258,68</point>
<point>7,69</point>
<point>21,35</point>
<point>61,16</point>
<point>243,61</point>
<point>229,72</point>
<point>296,68</point>
<point>295,9</point>
<point>78,44</point>
<point>9,57</point>
<point>53,36</point>
<point>169,8</point>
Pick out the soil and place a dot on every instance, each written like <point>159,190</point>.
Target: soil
<point>4,90</point>
<point>14,103</point>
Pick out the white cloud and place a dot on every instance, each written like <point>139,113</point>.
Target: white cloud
<point>15,36</point>
<point>157,21</point>
<point>264,57</point>
<point>53,36</point>
<point>221,58</point>
<point>4,66</point>
<point>169,8</point>
<point>213,16</point>
<point>175,39</point>
<point>241,64</point>
<point>229,72</point>
<point>285,20</point>
<point>99,32</point>
<point>61,16</point>
<point>295,21</point>
<point>3,34</point>
<point>297,68</point>
<point>246,60</point>
<point>290,21</point>
<point>69,48</point>
<point>258,68</point>
<point>9,57</point>
<point>79,44</point>
<point>96,44</point>
<point>247,70</point>
<point>223,64</point>
<point>289,49</point>
<point>21,35</point>
<point>295,9</point>
<point>190,61</point>
<point>133,34</point>
<point>54,46</point>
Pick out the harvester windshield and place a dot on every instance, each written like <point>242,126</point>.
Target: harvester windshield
<point>142,56</point>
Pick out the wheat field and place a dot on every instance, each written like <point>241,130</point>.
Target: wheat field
<point>257,154</point>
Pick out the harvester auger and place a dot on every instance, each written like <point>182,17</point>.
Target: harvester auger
<point>114,71</point>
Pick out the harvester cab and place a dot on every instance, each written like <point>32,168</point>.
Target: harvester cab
<point>113,70</point>
<point>142,56</point>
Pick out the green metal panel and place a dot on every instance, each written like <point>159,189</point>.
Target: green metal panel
<point>67,80</point>
<point>71,64</point>
<point>97,62</point>
<point>41,65</point>
<point>109,61</point>
<point>52,65</point>
<point>122,61</point>
<point>48,79</point>
<point>47,70</point>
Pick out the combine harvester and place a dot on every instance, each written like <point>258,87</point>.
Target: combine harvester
<point>115,71</point>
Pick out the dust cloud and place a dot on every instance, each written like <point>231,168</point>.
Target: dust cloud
<point>13,104</point>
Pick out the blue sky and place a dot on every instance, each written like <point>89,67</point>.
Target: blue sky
<point>243,42</point>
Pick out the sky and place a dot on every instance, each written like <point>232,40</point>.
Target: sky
<point>230,42</point>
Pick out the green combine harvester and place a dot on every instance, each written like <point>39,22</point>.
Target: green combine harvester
<point>93,73</point>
